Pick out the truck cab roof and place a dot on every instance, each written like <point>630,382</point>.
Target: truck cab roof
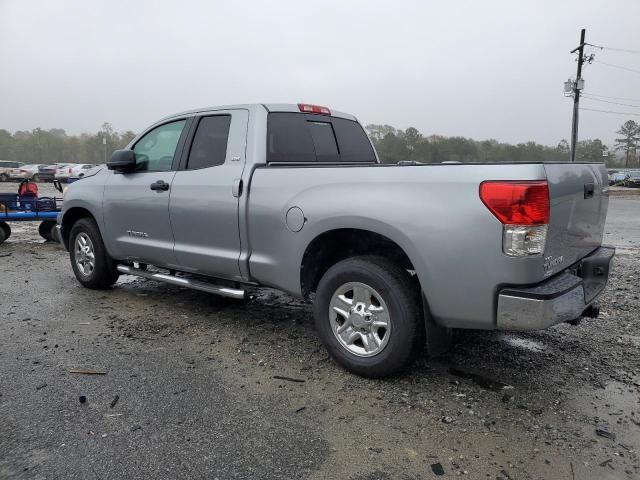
<point>268,107</point>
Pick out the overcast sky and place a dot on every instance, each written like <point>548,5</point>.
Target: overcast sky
<point>480,69</point>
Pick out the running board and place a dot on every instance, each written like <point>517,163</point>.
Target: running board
<point>184,282</point>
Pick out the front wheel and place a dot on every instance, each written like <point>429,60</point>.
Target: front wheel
<point>4,177</point>
<point>367,314</point>
<point>92,265</point>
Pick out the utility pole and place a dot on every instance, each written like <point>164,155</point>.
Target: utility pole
<point>576,96</point>
<point>104,142</point>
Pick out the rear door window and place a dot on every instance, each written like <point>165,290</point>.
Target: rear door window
<point>302,138</point>
<point>209,146</point>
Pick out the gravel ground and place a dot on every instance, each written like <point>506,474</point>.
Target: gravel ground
<point>198,393</point>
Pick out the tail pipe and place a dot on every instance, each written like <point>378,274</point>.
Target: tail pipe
<point>592,311</point>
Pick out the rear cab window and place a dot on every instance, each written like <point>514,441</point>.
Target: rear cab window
<point>308,138</point>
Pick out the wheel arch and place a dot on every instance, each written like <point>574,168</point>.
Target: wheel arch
<point>70,217</point>
<point>333,245</point>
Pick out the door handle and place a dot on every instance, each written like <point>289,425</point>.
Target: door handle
<point>159,186</point>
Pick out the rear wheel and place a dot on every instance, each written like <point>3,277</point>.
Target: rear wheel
<point>367,313</point>
<point>35,178</point>
<point>4,177</point>
<point>92,265</point>
<point>5,231</point>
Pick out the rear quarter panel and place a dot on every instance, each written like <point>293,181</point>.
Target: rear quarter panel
<point>433,212</point>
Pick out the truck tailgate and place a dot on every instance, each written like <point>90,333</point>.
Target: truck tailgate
<point>579,196</point>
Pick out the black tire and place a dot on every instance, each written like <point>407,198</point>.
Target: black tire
<point>4,177</point>
<point>35,178</point>
<point>45,229</point>
<point>104,273</point>
<point>401,295</point>
<point>5,231</point>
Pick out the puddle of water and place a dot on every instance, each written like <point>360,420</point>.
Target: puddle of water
<point>127,279</point>
<point>523,343</point>
<point>480,380</point>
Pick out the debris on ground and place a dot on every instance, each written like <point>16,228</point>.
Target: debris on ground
<point>480,380</point>
<point>114,401</point>
<point>288,379</point>
<point>606,463</point>
<point>506,474</point>
<point>87,371</point>
<point>82,398</point>
<point>437,469</point>
<point>40,387</point>
<point>605,434</point>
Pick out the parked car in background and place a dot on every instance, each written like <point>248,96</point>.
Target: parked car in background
<point>79,170</point>
<point>618,178</point>
<point>64,171</point>
<point>633,180</point>
<point>25,172</point>
<point>5,167</point>
<point>80,173</point>
<point>47,173</point>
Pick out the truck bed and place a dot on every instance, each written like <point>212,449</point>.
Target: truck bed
<point>433,212</point>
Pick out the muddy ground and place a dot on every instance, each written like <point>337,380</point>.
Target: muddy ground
<point>191,390</point>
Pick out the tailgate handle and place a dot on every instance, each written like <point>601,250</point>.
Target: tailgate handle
<point>588,190</point>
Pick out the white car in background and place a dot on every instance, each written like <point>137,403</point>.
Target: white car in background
<point>80,170</point>
<point>72,170</point>
<point>63,171</point>
<point>25,172</point>
<point>5,167</point>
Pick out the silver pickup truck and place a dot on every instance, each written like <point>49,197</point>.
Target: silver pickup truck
<point>394,256</point>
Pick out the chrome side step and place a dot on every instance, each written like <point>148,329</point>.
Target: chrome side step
<point>184,282</point>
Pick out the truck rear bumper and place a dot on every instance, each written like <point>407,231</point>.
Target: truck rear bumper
<point>561,298</point>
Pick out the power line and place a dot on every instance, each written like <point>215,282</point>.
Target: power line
<point>617,66</point>
<point>607,101</point>
<point>613,98</point>
<point>602,47</point>
<point>610,111</point>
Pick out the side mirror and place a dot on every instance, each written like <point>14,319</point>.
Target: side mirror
<point>122,161</point>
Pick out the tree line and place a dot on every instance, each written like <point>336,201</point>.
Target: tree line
<point>39,146</point>
<point>394,145</point>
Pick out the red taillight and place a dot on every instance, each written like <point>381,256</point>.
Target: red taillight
<point>517,202</point>
<point>70,169</point>
<point>306,108</point>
